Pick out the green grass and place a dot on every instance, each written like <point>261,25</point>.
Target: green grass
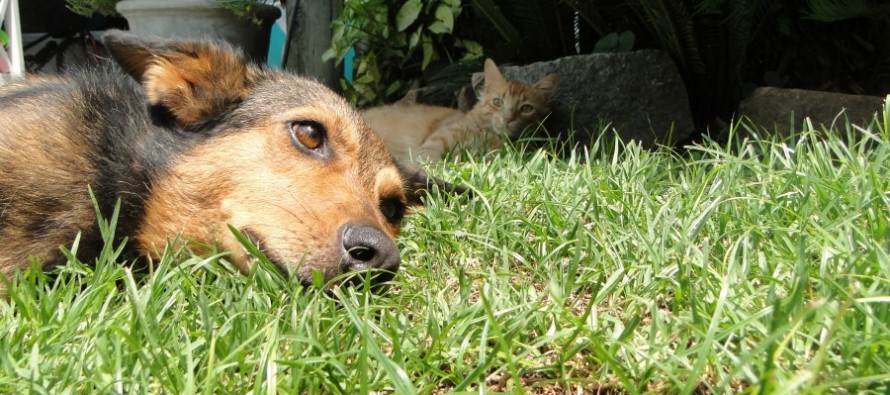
<point>755,266</point>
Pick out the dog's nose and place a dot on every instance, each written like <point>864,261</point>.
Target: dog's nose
<point>366,247</point>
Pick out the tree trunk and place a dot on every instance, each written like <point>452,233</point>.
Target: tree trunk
<point>309,36</point>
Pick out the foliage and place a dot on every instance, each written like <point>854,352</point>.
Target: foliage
<point>245,8</point>
<point>615,42</point>
<point>720,46</point>
<point>396,42</point>
<point>825,48</point>
<point>4,38</point>
<point>88,7</point>
<point>833,10</point>
<point>756,266</point>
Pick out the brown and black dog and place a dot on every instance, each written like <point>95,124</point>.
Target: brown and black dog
<point>193,140</point>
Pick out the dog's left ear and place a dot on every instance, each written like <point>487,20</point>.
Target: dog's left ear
<point>418,184</point>
<point>193,81</point>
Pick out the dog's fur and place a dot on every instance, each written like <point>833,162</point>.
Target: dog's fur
<point>194,139</point>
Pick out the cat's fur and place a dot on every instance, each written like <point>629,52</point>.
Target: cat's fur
<point>413,131</point>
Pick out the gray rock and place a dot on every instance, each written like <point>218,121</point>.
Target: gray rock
<point>641,94</point>
<point>772,108</point>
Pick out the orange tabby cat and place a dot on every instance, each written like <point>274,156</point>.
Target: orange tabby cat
<point>414,131</point>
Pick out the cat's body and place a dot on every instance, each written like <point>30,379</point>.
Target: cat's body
<point>406,126</point>
<point>414,131</point>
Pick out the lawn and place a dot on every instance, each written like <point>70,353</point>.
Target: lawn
<point>754,265</point>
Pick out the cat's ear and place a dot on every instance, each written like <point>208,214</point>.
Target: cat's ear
<point>548,86</point>
<point>418,184</point>
<point>493,76</point>
<point>409,98</point>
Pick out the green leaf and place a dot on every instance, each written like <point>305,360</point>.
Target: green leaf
<point>438,28</point>
<point>393,88</point>
<point>399,40</point>
<point>329,54</point>
<point>428,52</point>
<point>4,38</point>
<point>607,43</point>
<point>835,10</point>
<point>414,39</point>
<point>615,42</point>
<point>626,41</point>
<point>454,5</point>
<point>474,50</point>
<point>444,20</point>
<point>407,14</point>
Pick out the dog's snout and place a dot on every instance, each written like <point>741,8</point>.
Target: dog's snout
<point>366,247</point>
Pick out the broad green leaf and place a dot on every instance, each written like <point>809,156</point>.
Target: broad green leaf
<point>444,20</point>
<point>438,28</point>
<point>615,42</point>
<point>454,5</point>
<point>626,41</point>
<point>407,14</point>
<point>4,38</point>
<point>607,43</point>
<point>474,50</point>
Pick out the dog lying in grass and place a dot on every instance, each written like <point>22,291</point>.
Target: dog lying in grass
<point>191,139</point>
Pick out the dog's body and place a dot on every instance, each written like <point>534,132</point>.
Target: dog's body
<point>201,141</point>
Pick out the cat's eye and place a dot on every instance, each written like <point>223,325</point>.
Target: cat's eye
<point>526,108</point>
<point>497,102</point>
<point>307,136</point>
<point>393,210</point>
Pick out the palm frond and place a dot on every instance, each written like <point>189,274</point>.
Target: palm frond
<point>543,26</point>
<point>672,25</point>
<point>835,10</point>
<point>493,13</point>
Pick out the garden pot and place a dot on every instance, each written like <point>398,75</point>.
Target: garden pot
<point>202,19</point>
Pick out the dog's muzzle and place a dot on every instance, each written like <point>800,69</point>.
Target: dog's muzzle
<point>368,249</point>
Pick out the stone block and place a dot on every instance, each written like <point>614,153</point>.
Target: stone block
<point>784,110</point>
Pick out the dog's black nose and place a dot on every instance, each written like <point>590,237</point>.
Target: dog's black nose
<point>366,247</point>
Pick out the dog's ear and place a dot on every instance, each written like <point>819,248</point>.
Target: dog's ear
<point>418,184</point>
<point>193,81</point>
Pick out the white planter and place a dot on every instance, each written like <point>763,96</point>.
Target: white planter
<point>200,19</point>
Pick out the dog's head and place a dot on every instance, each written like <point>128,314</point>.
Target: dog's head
<point>280,158</point>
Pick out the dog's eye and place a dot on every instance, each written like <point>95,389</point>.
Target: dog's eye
<point>393,209</point>
<point>308,135</point>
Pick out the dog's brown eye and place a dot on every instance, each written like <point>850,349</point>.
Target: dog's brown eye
<point>393,209</point>
<point>309,135</point>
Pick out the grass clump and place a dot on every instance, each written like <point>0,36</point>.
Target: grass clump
<point>756,266</point>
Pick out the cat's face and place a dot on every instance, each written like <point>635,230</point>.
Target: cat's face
<point>513,105</point>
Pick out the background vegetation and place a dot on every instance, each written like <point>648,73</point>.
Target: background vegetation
<point>723,48</point>
<point>396,43</point>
